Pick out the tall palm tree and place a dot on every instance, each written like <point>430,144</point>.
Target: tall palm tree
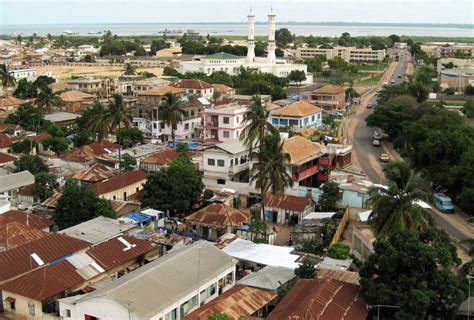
<point>117,114</point>
<point>395,208</point>
<point>7,79</point>
<point>130,69</point>
<point>170,113</point>
<point>47,99</point>
<point>96,123</point>
<point>270,170</point>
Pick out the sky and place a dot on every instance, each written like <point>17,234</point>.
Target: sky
<point>172,11</point>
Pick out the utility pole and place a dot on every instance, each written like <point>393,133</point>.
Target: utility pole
<point>469,278</point>
<point>378,306</point>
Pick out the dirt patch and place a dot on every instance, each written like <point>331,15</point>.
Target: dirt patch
<point>66,72</point>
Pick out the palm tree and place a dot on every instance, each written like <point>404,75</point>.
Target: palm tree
<point>96,123</point>
<point>116,115</point>
<point>7,79</point>
<point>270,172</point>
<point>170,113</point>
<point>396,208</point>
<point>47,99</point>
<point>129,69</point>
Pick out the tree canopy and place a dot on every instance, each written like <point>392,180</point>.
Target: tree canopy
<point>413,271</point>
<point>328,199</point>
<point>33,163</point>
<point>306,269</point>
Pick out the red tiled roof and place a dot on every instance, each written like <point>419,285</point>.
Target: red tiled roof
<point>39,137</point>
<point>111,254</point>
<point>17,261</point>
<point>26,218</point>
<point>287,202</point>
<point>164,157</point>
<point>119,182</point>
<point>329,89</point>
<point>222,88</point>
<point>45,282</point>
<point>95,173</point>
<point>11,101</point>
<point>5,126</point>
<point>5,140</point>
<point>191,84</point>
<point>218,214</point>
<point>322,299</point>
<point>26,191</point>
<point>5,157</point>
<point>90,151</point>
<point>14,234</point>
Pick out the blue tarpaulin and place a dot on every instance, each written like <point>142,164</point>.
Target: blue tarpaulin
<point>139,217</point>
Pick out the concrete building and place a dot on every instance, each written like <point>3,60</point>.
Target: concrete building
<point>287,209</point>
<point>348,54</point>
<point>362,241</point>
<point>449,50</point>
<point>328,97</point>
<point>297,115</point>
<point>100,88</point>
<point>168,288</point>
<point>19,74</point>
<point>76,101</point>
<point>11,184</point>
<point>231,64</point>
<point>223,122</point>
<point>122,186</point>
<point>194,88</point>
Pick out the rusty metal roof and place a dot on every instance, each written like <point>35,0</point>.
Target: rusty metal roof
<point>287,202</point>
<point>19,260</point>
<point>26,218</point>
<point>301,150</point>
<point>164,157</point>
<point>341,275</point>
<point>119,182</point>
<point>218,214</point>
<point>113,253</point>
<point>240,301</point>
<point>52,201</point>
<point>14,234</point>
<point>90,151</point>
<point>322,299</point>
<point>95,173</point>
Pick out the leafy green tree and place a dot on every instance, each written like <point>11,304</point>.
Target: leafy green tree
<point>306,269</point>
<point>258,228</point>
<point>47,99</point>
<point>419,91</point>
<point>468,109</point>
<point>128,163</point>
<point>176,188</point>
<point>58,145</point>
<point>24,146</point>
<point>168,71</point>
<point>469,90</point>
<point>218,316</point>
<point>7,79</point>
<point>88,58</point>
<point>93,123</point>
<point>394,38</point>
<point>44,185</point>
<point>339,251</point>
<point>283,37</point>
<point>24,90</point>
<point>130,69</point>
<point>127,137</point>
<point>81,138</point>
<point>328,198</point>
<point>399,172</point>
<point>140,52</point>
<point>297,76</point>
<point>33,163</point>
<point>170,112</point>
<point>27,116</point>
<point>429,288</point>
<point>78,204</point>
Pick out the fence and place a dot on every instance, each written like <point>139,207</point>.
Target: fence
<point>341,227</point>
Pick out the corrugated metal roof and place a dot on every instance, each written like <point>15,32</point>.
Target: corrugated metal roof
<point>14,234</point>
<point>268,278</point>
<point>346,276</point>
<point>17,261</point>
<point>90,151</point>
<point>26,218</point>
<point>95,173</point>
<point>52,201</point>
<point>287,202</point>
<point>329,89</point>
<point>322,299</point>
<point>16,180</point>
<point>119,182</point>
<point>301,150</point>
<point>218,214</point>
<point>164,157</point>
<point>240,301</point>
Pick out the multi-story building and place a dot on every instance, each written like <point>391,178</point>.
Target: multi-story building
<point>328,97</point>
<point>297,115</point>
<point>349,54</point>
<point>23,73</point>
<point>224,122</point>
<point>101,88</point>
<point>194,88</point>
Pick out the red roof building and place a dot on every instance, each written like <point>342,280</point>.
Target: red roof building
<point>6,158</point>
<point>283,208</point>
<point>194,88</point>
<point>90,151</point>
<point>14,234</point>
<point>156,161</point>
<point>121,186</point>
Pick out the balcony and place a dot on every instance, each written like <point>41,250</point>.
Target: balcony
<point>239,168</point>
<point>305,173</point>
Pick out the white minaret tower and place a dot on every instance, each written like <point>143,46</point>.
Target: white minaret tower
<point>251,37</point>
<point>271,58</point>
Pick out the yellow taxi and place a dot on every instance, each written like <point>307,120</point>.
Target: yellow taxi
<point>384,157</point>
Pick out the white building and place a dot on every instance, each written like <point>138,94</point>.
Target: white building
<point>195,88</point>
<point>10,185</point>
<point>349,54</point>
<point>231,64</point>
<point>168,288</point>
<point>224,122</point>
<point>23,73</point>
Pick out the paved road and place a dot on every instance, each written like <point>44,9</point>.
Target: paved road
<point>366,155</point>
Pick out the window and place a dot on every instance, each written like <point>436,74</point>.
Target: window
<point>211,162</point>
<point>226,120</point>
<point>237,120</point>
<point>274,121</point>
<point>220,181</point>
<point>226,134</point>
<point>212,289</point>
<point>312,118</point>
<point>220,163</point>
<point>67,313</point>
<point>186,126</point>
<point>31,309</point>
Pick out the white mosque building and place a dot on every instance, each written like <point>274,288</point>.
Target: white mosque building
<point>231,63</point>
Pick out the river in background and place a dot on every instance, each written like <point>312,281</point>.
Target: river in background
<point>238,29</point>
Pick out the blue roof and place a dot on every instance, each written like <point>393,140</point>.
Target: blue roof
<point>442,197</point>
<point>139,217</point>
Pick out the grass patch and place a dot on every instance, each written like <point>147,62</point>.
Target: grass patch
<point>372,66</point>
<point>374,79</point>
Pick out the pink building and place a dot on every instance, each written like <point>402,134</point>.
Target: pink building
<point>223,123</point>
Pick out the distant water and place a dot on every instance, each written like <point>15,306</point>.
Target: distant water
<point>240,29</point>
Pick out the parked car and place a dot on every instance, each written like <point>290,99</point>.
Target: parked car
<point>336,114</point>
<point>443,203</point>
<point>377,135</point>
<point>369,105</point>
<point>384,157</point>
<point>376,143</point>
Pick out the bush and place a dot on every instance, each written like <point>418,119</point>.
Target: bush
<point>339,251</point>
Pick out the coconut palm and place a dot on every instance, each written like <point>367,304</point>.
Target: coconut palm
<point>170,113</point>
<point>396,208</point>
<point>270,170</point>
<point>130,69</point>
<point>47,99</point>
<point>7,79</point>
<point>116,115</point>
<point>96,124</point>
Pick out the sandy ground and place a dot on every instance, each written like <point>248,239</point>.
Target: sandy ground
<point>65,72</point>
